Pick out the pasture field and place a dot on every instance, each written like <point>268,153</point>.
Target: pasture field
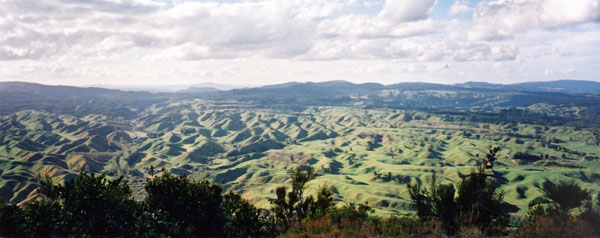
<point>368,155</point>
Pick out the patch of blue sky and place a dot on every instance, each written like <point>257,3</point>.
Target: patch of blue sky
<point>587,27</point>
<point>441,11</point>
<point>367,7</point>
<point>370,7</point>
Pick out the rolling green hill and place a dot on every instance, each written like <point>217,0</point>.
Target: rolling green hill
<point>368,140</point>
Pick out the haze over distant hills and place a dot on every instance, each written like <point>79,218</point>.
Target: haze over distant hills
<point>16,96</point>
<point>172,88</point>
<point>560,86</point>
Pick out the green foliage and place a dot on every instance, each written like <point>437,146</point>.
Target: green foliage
<point>86,206</point>
<point>13,222</point>
<point>46,187</point>
<point>300,176</point>
<point>536,209</point>
<point>475,202</point>
<point>480,204</point>
<point>488,163</point>
<point>96,206</point>
<point>554,217</point>
<point>421,201</point>
<point>349,212</point>
<point>291,207</point>
<point>565,195</point>
<point>194,206</point>
<point>591,214</point>
<point>538,201</point>
<point>282,210</point>
<point>44,218</point>
<point>242,218</point>
<point>445,206</point>
<point>437,202</point>
<point>324,201</point>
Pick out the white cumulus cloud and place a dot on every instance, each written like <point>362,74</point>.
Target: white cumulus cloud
<point>69,40</point>
<point>407,10</point>
<point>503,19</point>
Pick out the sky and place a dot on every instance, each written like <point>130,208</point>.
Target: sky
<point>258,42</point>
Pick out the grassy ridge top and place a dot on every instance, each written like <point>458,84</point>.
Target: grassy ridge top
<point>368,154</point>
<point>369,140</point>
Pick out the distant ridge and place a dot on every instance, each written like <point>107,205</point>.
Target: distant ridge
<point>563,86</point>
<point>174,88</point>
<point>58,91</point>
<point>337,87</point>
<point>558,86</point>
<point>17,96</point>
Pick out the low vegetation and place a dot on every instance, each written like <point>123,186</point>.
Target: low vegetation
<point>365,153</point>
<point>94,206</point>
<point>396,160</point>
<point>176,206</point>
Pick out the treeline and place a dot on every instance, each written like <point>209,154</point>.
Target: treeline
<point>178,206</point>
<point>95,206</point>
<point>565,210</point>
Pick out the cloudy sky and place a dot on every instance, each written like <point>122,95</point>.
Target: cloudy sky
<point>144,42</point>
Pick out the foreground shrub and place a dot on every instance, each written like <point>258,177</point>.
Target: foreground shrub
<point>242,218</point>
<point>96,206</point>
<point>44,218</point>
<point>553,216</point>
<point>565,196</point>
<point>198,209</point>
<point>13,222</point>
<point>474,203</point>
<point>290,208</point>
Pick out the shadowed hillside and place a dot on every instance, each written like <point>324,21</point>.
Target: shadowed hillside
<point>368,140</point>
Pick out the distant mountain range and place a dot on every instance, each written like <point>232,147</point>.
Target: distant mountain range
<point>558,86</point>
<point>17,96</point>
<point>175,88</point>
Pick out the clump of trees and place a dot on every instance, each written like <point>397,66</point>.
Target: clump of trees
<point>290,208</point>
<point>95,206</point>
<point>297,213</point>
<point>175,206</point>
<point>565,210</point>
<point>88,206</point>
<point>474,202</point>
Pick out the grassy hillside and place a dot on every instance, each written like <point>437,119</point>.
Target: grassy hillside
<point>369,155</point>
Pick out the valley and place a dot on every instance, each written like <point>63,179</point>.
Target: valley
<point>367,149</point>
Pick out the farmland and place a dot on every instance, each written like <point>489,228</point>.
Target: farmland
<point>368,153</point>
